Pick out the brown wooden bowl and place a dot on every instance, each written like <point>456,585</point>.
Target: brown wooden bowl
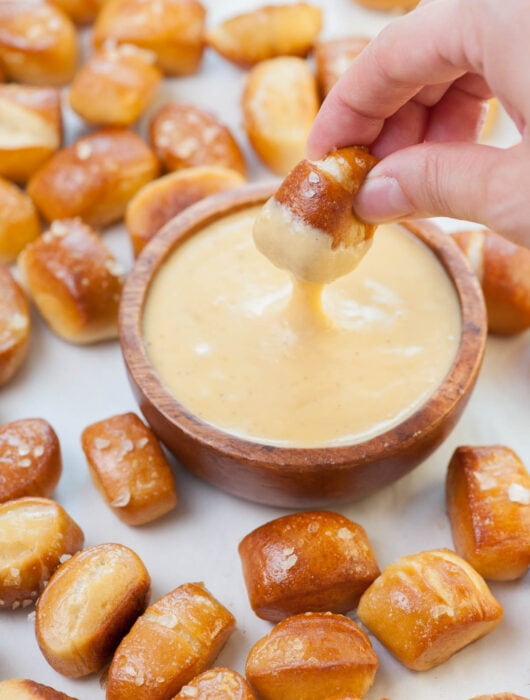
<point>284,476</point>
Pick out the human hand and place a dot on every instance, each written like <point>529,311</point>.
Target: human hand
<point>416,95</point>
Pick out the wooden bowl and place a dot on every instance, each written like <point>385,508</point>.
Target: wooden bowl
<point>284,476</point>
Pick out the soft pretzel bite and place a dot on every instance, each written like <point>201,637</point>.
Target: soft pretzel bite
<point>185,136</point>
<point>161,200</point>
<point>308,227</point>
<point>115,85</point>
<point>389,5</point>
<point>38,42</point>
<point>19,223</point>
<point>315,561</point>
<point>30,455</point>
<point>280,103</point>
<point>25,689</point>
<point>333,57</point>
<point>87,607</point>
<point>75,282</point>
<point>176,638</point>
<point>129,468</point>
<point>30,129</point>
<point>14,325</point>
<point>312,657</point>
<point>427,606</point>
<point>80,11</point>
<point>217,684</point>
<point>94,178</point>
<point>36,534</point>
<point>172,29</point>
<point>267,32</point>
<point>503,270</point>
<point>488,503</point>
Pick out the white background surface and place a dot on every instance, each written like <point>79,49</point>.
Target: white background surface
<point>74,386</point>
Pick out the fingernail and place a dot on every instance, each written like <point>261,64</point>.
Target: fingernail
<point>382,199</point>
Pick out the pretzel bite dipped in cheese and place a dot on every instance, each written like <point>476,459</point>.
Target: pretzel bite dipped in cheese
<point>312,656</point>
<point>280,102</point>
<point>25,689</point>
<point>427,606</point>
<point>185,136</point>
<point>268,31</point>
<point>503,270</point>
<point>19,223</point>
<point>333,57</point>
<point>177,637</point>
<point>129,469</point>
<point>14,325</point>
<point>216,684</point>
<point>115,85</point>
<point>30,129</point>
<point>38,42</point>
<point>30,455</point>
<point>308,227</point>
<point>94,178</point>
<point>75,282</point>
<point>488,504</point>
<point>172,29</point>
<point>161,200</point>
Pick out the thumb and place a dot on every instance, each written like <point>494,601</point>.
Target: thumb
<point>464,181</point>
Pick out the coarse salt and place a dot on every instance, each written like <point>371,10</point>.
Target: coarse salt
<point>519,494</point>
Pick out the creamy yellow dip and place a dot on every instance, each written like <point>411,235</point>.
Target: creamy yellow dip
<point>243,347</point>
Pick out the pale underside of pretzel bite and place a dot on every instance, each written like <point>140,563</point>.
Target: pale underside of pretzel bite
<point>308,227</point>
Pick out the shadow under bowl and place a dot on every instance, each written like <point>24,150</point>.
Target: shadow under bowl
<point>291,476</point>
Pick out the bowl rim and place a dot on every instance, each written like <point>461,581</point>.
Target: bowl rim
<point>441,404</point>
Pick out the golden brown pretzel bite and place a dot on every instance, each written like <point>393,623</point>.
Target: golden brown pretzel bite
<point>38,42</point>
<point>115,85</point>
<point>268,31</point>
<point>308,227</point>
<point>217,684</point>
<point>503,270</point>
<point>185,136</point>
<point>87,607</point>
<point>30,129</point>
<point>172,29</point>
<point>31,459</point>
<point>315,561</point>
<point>176,638</point>
<point>129,468</point>
<point>280,102</point>
<point>427,606</point>
<point>36,534</point>
<point>312,657</point>
<point>488,503</point>
<point>14,325</point>
<point>19,223</point>
<point>75,282</point>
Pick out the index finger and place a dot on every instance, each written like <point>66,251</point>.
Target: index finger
<point>425,47</point>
